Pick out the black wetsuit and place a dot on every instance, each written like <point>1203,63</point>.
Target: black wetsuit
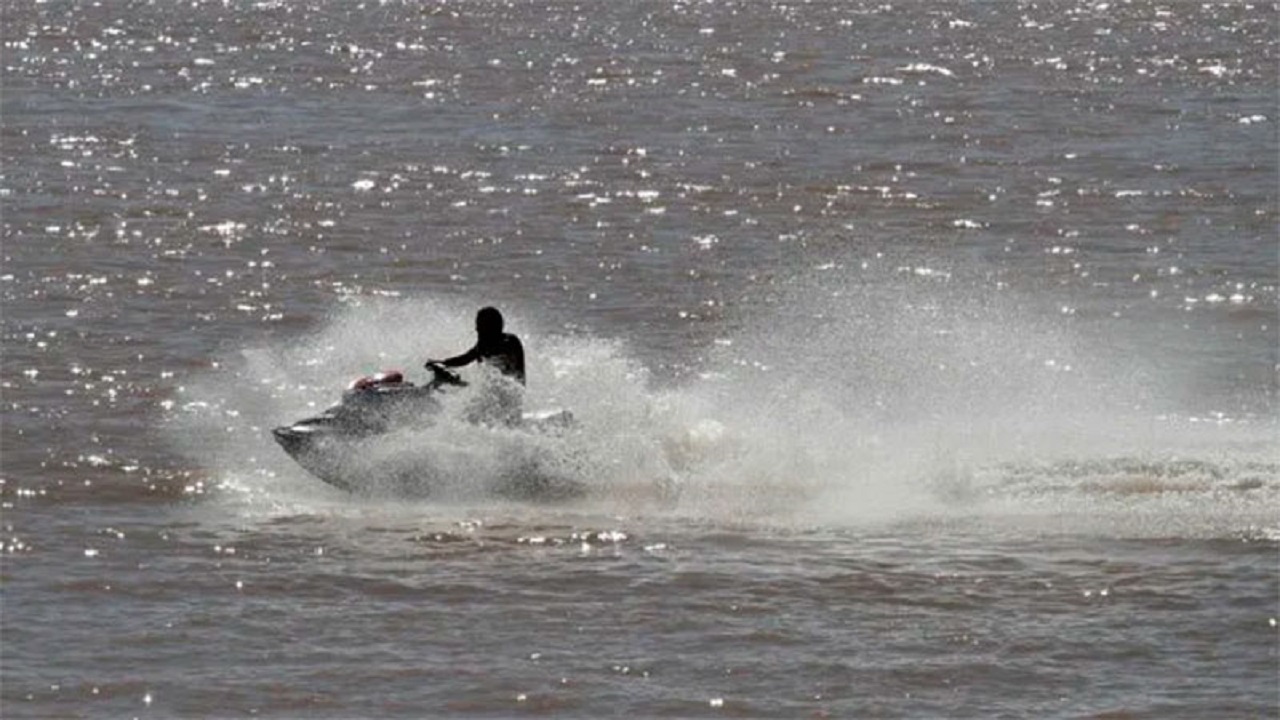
<point>503,352</point>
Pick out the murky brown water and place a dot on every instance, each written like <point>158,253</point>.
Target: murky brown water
<point>924,357</point>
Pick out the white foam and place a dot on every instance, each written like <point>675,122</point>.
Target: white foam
<point>905,397</point>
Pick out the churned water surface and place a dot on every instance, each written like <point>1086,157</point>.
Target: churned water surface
<point>924,357</point>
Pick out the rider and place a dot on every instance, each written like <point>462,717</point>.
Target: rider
<point>504,353</point>
<point>502,350</point>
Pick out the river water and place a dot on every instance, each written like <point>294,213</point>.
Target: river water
<point>923,356</point>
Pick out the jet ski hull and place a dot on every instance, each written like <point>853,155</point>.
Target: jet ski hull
<point>335,446</point>
<point>315,452</point>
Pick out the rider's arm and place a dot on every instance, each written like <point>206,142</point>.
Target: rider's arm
<point>465,358</point>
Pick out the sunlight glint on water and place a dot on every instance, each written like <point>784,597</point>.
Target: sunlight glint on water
<point>924,358</point>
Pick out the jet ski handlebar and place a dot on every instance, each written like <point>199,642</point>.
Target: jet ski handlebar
<point>443,375</point>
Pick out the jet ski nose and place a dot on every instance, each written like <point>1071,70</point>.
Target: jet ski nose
<point>290,438</point>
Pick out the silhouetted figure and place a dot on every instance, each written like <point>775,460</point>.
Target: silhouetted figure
<point>493,347</point>
<point>501,351</point>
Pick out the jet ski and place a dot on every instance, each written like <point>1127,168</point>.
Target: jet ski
<point>334,445</point>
